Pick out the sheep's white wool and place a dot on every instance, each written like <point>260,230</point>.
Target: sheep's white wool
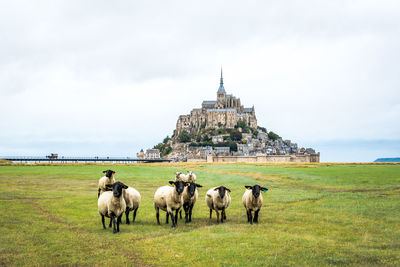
<point>250,202</point>
<point>103,182</point>
<point>109,204</point>
<point>132,198</point>
<point>167,199</point>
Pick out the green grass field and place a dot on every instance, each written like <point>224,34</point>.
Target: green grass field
<point>313,214</point>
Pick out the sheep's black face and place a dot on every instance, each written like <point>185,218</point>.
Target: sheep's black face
<point>109,173</point>
<point>256,190</point>
<point>179,186</point>
<point>117,188</point>
<point>192,188</point>
<point>221,191</point>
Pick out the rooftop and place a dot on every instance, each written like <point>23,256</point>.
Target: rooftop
<point>222,109</point>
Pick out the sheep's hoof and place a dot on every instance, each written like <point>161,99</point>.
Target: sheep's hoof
<point>173,226</point>
<point>128,223</point>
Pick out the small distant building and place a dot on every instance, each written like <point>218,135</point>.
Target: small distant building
<point>310,151</point>
<point>151,153</point>
<point>247,136</point>
<point>262,136</point>
<point>217,139</point>
<point>222,151</point>
<point>141,154</point>
<point>244,149</point>
<point>205,151</point>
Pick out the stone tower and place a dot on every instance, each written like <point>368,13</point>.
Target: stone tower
<point>221,94</point>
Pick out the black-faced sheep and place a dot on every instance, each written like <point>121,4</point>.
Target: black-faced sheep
<point>106,181</point>
<point>252,201</point>
<point>111,204</point>
<point>189,195</point>
<point>169,199</point>
<point>218,198</point>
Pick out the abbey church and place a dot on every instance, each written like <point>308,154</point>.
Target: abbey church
<point>226,111</point>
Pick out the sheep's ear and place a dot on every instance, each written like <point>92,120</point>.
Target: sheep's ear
<point>215,189</point>
<point>264,189</point>
<point>171,182</point>
<point>228,189</point>
<point>248,187</point>
<point>124,186</point>
<point>197,185</point>
<point>187,184</point>
<point>104,171</point>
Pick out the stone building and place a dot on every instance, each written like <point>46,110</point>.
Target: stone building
<point>151,153</point>
<point>226,111</point>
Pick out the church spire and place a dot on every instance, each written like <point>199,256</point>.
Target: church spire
<point>221,88</point>
<point>222,79</point>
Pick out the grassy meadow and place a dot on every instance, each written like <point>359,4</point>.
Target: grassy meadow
<point>313,215</point>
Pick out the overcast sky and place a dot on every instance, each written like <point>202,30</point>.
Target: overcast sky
<point>93,78</point>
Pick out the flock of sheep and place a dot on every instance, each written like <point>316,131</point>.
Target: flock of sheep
<point>118,198</point>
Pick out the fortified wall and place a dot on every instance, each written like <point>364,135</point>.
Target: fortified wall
<point>260,158</point>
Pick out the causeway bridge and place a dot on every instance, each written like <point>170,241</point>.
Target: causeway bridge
<point>80,159</point>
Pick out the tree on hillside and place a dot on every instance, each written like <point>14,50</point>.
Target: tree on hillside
<point>262,129</point>
<point>184,137</point>
<point>166,139</point>
<point>273,136</point>
<point>236,135</point>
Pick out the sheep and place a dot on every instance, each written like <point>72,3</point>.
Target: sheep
<point>132,199</point>
<point>112,204</point>
<point>180,177</point>
<point>190,177</point>
<point>189,196</point>
<point>106,181</point>
<point>218,198</point>
<point>252,201</point>
<point>169,199</point>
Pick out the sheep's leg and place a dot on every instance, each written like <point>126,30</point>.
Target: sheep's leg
<point>166,220</point>
<point>98,193</point>
<point>127,215</point>
<point>222,215</point>
<point>114,224</point>
<point>186,207</point>
<point>210,213</point>
<point>216,211</point>
<point>118,221</point>
<point>158,215</point>
<point>176,216</point>
<point>256,216</point>
<point>172,219</point>
<point>180,214</point>
<point>110,222</point>
<point>250,217</point>
<point>190,212</point>
<point>134,215</point>
<point>102,221</point>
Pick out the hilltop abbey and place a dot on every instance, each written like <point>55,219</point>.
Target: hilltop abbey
<point>226,111</point>
<point>223,130</point>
